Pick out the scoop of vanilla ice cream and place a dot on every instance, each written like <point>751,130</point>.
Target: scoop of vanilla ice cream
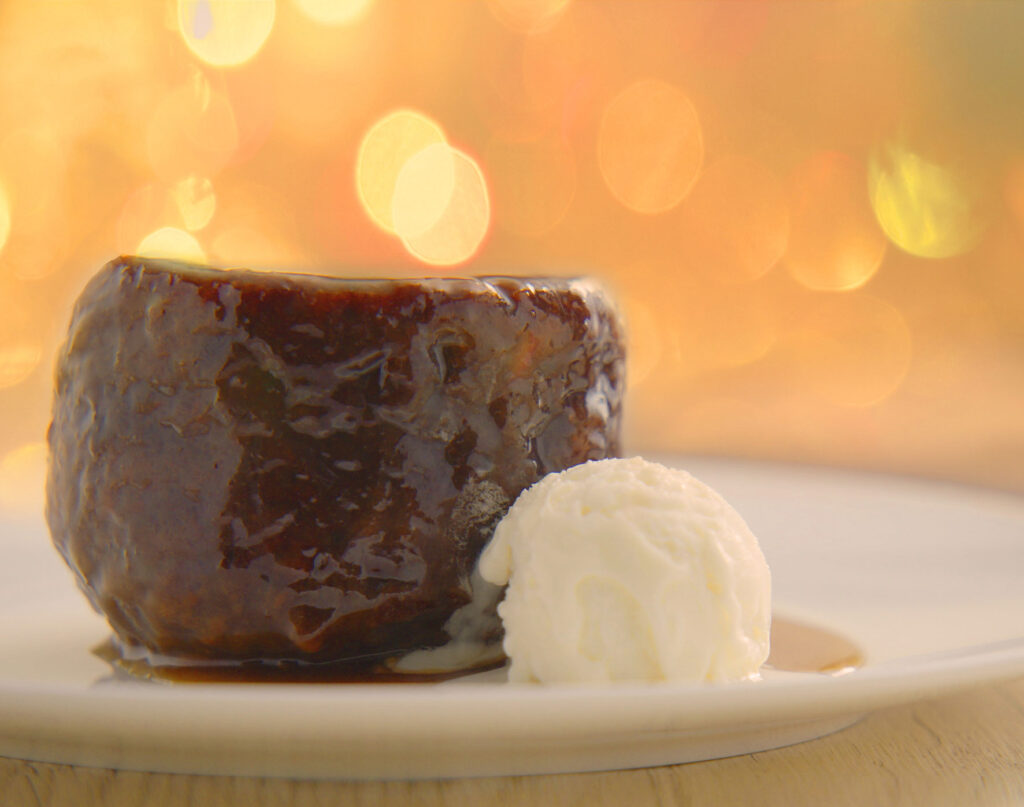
<point>625,570</point>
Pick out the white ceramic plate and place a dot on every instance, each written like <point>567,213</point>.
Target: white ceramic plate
<point>925,577</point>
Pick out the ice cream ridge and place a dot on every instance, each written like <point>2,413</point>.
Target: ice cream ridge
<point>625,570</point>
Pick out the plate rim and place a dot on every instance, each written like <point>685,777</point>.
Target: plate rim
<point>54,713</point>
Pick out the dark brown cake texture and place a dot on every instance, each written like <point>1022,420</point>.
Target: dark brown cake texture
<point>259,466</point>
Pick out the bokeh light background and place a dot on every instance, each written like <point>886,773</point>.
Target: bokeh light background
<point>813,213</point>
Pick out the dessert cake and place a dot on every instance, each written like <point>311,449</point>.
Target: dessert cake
<point>259,467</point>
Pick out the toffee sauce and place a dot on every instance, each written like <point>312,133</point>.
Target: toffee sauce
<point>795,647</point>
<point>260,465</point>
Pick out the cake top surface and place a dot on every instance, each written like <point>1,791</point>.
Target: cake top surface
<point>583,285</point>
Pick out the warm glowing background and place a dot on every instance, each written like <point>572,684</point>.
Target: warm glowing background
<point>813,212</point>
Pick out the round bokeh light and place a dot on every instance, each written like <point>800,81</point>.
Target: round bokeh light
<point>736,220</point>
<point>449,183</point>
<point>924,208</point>
<point>195,200</point>
<point>225,33</point>
<point>385,149</point>
<point>172,243</point>
<point>650,146</point>
<point>423,190</point>
<point>835,243</point>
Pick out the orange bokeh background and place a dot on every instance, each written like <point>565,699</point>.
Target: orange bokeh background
<point>812,213</point>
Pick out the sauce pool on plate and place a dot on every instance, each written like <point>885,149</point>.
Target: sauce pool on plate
<point>796,647</point>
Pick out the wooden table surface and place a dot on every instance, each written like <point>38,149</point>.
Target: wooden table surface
<point>967,749</point>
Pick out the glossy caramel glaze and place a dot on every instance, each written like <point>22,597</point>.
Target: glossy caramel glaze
<point>264,466</point>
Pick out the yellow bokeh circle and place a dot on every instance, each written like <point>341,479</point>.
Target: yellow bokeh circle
<point>835,242</point>
<point>195,200</point>
<point>171,243</point>
<point>423,190</point>
<point>925,208</point>
<point>384,150</point>
<point>225,33</point>
<point>442,208</point>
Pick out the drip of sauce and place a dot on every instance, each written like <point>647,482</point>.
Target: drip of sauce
<point>796,647</point>
<point>285,671</point>
<point>799,647</point>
